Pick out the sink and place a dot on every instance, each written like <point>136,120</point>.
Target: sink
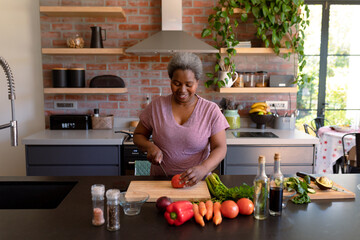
<point>33,194</point>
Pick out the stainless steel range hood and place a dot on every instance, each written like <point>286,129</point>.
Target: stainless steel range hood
<point>171,38</point>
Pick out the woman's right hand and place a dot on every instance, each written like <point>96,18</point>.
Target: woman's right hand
<point>154,154</point>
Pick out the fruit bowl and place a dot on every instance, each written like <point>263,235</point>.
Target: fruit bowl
<point>261,120</point>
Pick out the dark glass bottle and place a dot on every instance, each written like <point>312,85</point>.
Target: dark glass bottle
<point>276,188</point>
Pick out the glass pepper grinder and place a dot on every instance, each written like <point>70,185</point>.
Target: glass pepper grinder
<point>97,193</point>
<point>113,209</point>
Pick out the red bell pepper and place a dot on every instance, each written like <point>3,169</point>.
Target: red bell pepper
<point>179,212</point>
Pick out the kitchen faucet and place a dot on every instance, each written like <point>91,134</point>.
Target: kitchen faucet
<point>11,90</point>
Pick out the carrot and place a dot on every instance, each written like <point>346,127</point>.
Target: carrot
<point>202,208</point>
<point>209,209</point>
<point>198,218</point>
<point>217,219</point>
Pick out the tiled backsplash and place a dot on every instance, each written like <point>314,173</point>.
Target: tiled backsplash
<point>144,75</point>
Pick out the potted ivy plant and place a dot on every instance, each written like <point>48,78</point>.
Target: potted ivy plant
<point>274,21</point>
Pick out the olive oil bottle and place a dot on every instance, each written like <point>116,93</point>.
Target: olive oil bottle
<point>261,191</point>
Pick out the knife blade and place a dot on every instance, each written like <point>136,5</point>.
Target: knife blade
<point>302,174</point>
<point>162,168</point>
<point>339,189</point>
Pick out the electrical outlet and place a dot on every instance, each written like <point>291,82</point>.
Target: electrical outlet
<point>65,105</point>
<point>277,104</point>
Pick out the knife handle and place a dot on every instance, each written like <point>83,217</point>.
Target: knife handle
<point>302,174</point>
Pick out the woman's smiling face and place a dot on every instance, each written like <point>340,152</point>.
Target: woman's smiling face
<point>184,85</point>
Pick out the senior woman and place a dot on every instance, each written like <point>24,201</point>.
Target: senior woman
<point>188,132</point>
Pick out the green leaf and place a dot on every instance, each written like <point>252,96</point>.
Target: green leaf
<point>287,44</point>
<point>217,26</point>
<point>267,44</point>
<point>227,61</point>
<point>244,17</point>
<point>223,14</point>
<point>263,37</point>
<point>227,20</point>
<point>247,7</point>
<point>208,83</point>
<point>206,32</point>
<point>217,67</point>
<point>272,18</point>
<point>265,10</point>
<point>210,75</point>
<point>256,12</point>
<point>218,56</point>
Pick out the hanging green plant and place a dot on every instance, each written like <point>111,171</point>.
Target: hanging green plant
<point>279,23</point>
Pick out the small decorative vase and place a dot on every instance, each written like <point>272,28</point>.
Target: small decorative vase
<point>233,118</point>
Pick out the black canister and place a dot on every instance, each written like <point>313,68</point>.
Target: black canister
<point>59,77</point>
<point>76,77</point>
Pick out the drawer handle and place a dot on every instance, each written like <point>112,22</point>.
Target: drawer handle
<point>131,163</point>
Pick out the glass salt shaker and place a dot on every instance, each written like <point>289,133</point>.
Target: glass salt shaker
<point>113,209</point>
<point>97,193</point>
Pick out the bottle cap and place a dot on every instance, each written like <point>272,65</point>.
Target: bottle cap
<point>113,194</point>
<point>277,157</point>
<point>98,190</point>
<point>96,111</point>
<point>261,159</point>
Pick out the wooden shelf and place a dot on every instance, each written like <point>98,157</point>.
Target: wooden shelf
<point>85,90</point>
<point>76,11</point>
<point>256,50</point>
<point>259,90</point>
<point>83,51</point>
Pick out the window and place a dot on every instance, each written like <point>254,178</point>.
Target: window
<point>332,53</point>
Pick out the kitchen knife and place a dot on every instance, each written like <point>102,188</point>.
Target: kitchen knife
<point>302,174</point>
<point>162,168</point>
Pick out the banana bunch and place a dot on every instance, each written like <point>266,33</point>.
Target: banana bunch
<point>260,108</point>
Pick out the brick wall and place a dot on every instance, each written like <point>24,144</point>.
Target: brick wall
<point>144,75</point>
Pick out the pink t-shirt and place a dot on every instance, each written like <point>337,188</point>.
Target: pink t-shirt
<point>183,146</point>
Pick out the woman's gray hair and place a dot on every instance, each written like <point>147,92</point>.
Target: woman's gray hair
<point>186,61</point>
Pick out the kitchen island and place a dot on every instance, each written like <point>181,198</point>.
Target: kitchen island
<point>320,219</point>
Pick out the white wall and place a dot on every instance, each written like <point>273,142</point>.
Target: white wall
<point>21,47</point>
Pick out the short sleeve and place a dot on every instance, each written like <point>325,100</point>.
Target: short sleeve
<point>146,117</point>
<point>219,121</point>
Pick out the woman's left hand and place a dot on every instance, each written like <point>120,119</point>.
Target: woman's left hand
<point>193,175</point>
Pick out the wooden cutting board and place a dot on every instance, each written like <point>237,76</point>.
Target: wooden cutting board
<point>157,189</point>
<point>330,194</point>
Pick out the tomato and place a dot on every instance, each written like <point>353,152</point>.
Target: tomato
<point>229,209</point>
<point>175,182</point>
<point>246,206</point>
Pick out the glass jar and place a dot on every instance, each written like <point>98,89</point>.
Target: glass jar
<point>233,118</point>
<point>249,79</point>
<point>97,193</point>
<point>240,80</point>
<point>113,209</point>
<point>75,41</point>
<point>262,79</point>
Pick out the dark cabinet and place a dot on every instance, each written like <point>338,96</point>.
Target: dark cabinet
<point>73,160</point>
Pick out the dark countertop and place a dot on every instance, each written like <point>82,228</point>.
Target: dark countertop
<point>321,219</point>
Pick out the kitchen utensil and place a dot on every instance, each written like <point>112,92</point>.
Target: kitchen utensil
<point>96,37</point>
<point>156,189</point>
<point>131,202</point>
<point>302,174</point>
<point>162,168</point>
